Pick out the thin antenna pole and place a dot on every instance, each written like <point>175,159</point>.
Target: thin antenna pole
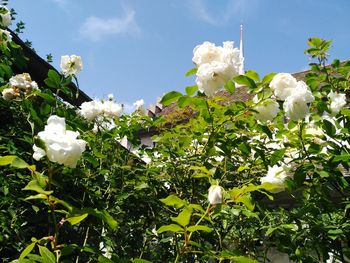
<point>241,51</point>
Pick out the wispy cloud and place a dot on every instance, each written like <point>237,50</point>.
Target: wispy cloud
<point>60,3</point>
<point>96,28</point>
<point>239,9</point>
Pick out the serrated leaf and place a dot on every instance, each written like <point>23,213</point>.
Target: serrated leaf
<point>47,255</point>
<point>172,228</point>
<point>190,90</point>
<point>170,97</point>
<point>173,200</point>
<point>34,186</point>
<point>199,228</point>
<point>27,250</point>
<point>191,72</point>
<point>75,219</point>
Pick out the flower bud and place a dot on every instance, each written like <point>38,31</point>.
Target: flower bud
<point>215,195</point>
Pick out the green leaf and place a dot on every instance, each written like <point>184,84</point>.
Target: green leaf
<point>103,215</point>
<point>268,78</point>
<point>253,75</point>
<point>184,101</point>
<point>19,163</point>
<point>172,228</point>
<point>34,186</point>
<point>170,97</point>
<point>140,260</point>
<point>103,259</point>
<point>56,78</point>
<point>48,256</point>
<point>342,158</point>
<point>75,219</point>
<point>191,72</point>
<point>190,90</point>
<point>245,81</point>
<point>230,87</point>
<point>173,200</point>
<point>7,160</point>
<point>38,196</point>
<point>329,128</point>
<point>199,228</point>
<point>27,250</point>
<point>183,219</point>
<point>247,201</point>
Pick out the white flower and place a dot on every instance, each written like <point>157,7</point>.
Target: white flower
<point>205,53</point>
<point>110,96</point>
<point>111,109</point>
<point>276,175</point>
<point>296,105</point>
<point>9,94</point>
<point>139,107</point>
<point>216,65</point>
<point>71,65</point>
<point>91,109</point>
<point>282,85</point>
<point>5,16</point>
<point>215,195</point>
<point>338,101</point>
<point>23,82</point>
<point>5,37</point>
<point>61,145</point>
<point>266,110</point>
<point>213,76</point>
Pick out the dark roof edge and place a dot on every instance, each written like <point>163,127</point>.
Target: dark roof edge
<point>38,68</point>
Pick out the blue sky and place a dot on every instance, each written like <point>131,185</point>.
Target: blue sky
<point>142,49</point>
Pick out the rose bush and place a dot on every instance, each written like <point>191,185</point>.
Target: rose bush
<point>276,167</point>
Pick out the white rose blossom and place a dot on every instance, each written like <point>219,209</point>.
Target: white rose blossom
<point>338,101</point>
<point>276,175</point>
<point>216,65</point>
<point>9,94</point>
<point>5,37</point>
<point>19,84</point>
<point>92,110</point>
<point>266,110</point>
<point>282,85</point>
<point>71,65</point>
<point>61,145</point>
<point>139,107</point>
<point>213,76</point>
<point>296,104</point>
<point>215,195</point>
<point>5,16</point>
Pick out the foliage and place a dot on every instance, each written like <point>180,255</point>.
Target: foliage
<point>114,207</point>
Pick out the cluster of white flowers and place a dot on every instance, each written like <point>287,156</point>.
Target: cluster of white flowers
<point>71,65</point>
<point>5,37</point>
<point>276,175</point>
<point>61,145</point>
<point>92,110</point>
<point>266,109</point>
<point>215,195</point>
<point>19,84</point>
<point>338,101</point>
<point>5,16</point>
<point>139,107</point>
<point>216,65</point>
<point>295,94</point>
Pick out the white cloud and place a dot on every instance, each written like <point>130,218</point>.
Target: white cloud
<point>96,28</point>
<point>60,3</point>
<point>238,9</point>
